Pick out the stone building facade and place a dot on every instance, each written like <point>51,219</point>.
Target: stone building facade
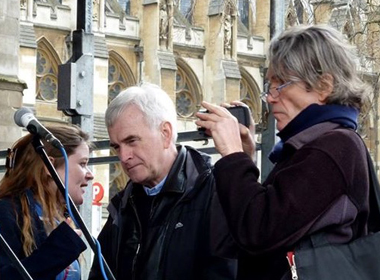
<point>211,50</point>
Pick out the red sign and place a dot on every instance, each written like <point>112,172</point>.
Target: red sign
<point>97,193</point>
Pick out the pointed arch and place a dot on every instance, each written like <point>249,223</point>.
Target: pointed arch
<point>250,94</point>
<point>120,75</point>
<point>46,71</point>
<point>188,90</point>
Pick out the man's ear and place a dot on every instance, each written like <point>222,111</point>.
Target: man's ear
<point>167,132</point>
<point>326,87</point>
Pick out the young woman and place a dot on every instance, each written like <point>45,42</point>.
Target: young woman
<point>33,214</point>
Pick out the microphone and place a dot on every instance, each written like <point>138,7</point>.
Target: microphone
<point>24,117</point>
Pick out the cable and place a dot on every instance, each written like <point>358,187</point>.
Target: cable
<point>63,151</point>
<point>98,247</point>
<point>101,263</point>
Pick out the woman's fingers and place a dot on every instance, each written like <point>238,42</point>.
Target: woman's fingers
<point>222,126</point>
<point>229,136</point>
<point>217,110</point>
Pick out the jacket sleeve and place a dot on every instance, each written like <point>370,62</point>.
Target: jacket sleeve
<point>58,251</point>
<point>297,193</point>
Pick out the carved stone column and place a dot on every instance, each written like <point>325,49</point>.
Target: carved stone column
<point>10,99</point>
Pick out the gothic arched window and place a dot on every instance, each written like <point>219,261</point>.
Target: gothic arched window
<point>188,97</point>
<point>119,75</point>
<point>250,94</point>
<point>47,72</point>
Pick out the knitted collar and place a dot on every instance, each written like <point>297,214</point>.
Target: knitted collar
<point>312,115</point>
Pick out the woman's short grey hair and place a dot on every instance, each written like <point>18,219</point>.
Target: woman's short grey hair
<point>309,53</point>
<point>154,103</point>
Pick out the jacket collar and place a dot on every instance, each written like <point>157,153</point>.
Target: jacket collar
<point>310,134</point>
<point>174,181</point>
<point>311,116</point>
<point>176,177</point>
<point>182,177</point>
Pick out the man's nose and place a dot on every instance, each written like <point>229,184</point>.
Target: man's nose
<point>125,154</point>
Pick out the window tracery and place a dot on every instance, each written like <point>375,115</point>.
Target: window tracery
<point>47,72</point>
<point>120,77</point>
<point>188,96</point>
<point>250,95</point>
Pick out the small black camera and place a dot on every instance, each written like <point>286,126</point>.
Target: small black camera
<point>242,114</point>
<point>239,112</point>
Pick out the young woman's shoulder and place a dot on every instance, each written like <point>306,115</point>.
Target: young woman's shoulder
<point>9,204</point>
<point>10,209</point>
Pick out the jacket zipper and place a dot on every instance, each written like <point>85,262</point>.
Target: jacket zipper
<point>292,263</point>
<point>139,244</point>
<point>199,181</point>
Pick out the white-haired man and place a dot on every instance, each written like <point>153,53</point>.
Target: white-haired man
<point>158,227</point>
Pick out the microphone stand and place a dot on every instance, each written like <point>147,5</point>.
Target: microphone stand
<point>15,261</point>
<point>39,148</point>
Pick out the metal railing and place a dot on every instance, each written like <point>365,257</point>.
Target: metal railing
<point>187,136</point>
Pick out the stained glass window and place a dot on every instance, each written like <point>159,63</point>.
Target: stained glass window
<point>47,81</point>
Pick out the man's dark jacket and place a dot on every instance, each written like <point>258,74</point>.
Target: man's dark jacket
<point>177,243</point>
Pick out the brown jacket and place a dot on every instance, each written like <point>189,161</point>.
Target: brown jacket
<point>321,184</point>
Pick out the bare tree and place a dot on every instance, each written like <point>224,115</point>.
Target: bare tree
<point>359,20</point>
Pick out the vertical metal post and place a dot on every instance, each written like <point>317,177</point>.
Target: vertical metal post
<point>75,98</point>
<point>277,24</point>
<point>83,43</point>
